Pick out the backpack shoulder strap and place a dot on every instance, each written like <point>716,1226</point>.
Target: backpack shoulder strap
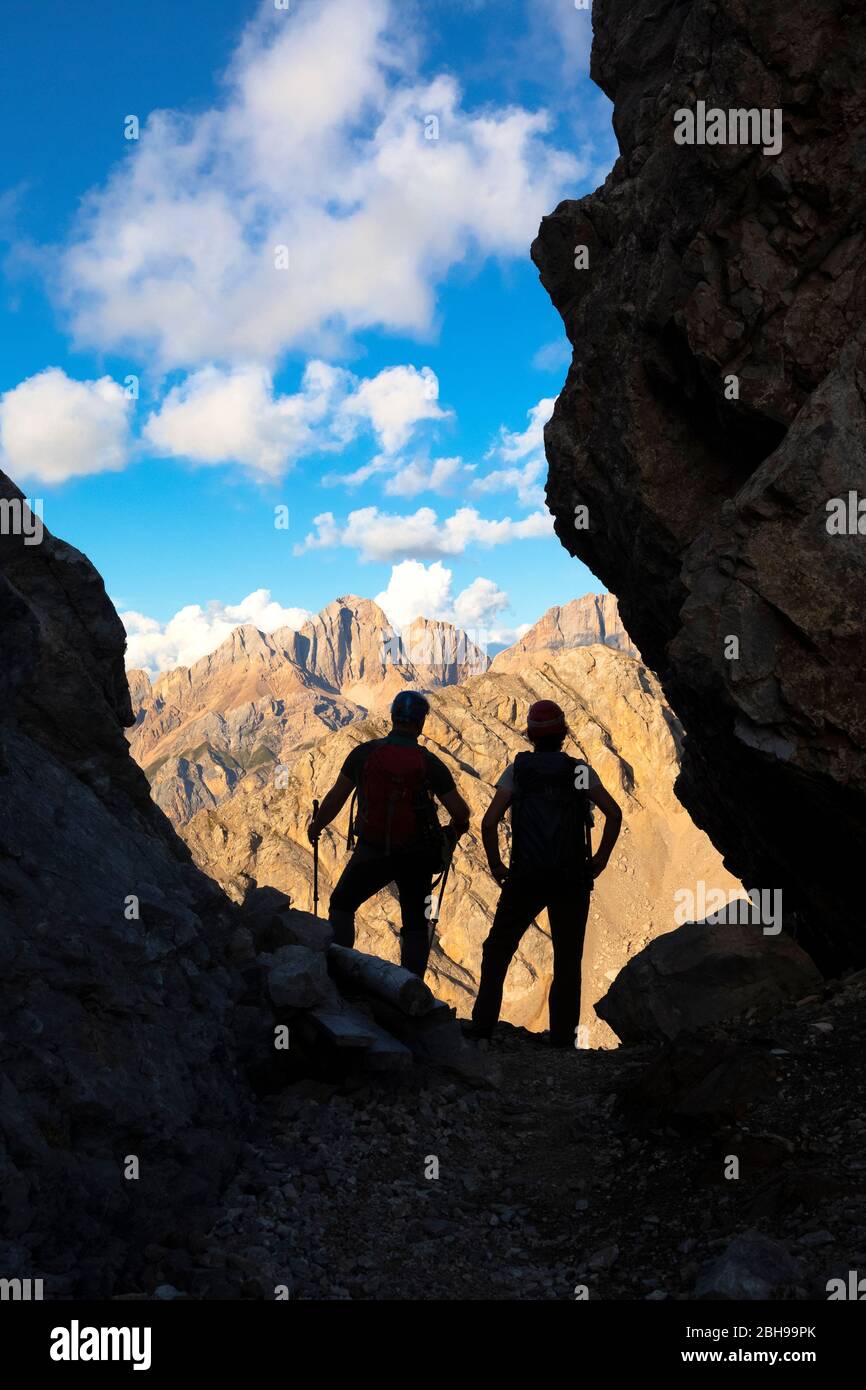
<point>520,766</point>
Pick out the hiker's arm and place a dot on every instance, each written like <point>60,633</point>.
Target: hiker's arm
<point>331,806</point>
<point>490,833</point>
<point>457,810</point>
<point>601,797</point>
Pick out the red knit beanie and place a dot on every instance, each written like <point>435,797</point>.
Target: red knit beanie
<point>545,718</point>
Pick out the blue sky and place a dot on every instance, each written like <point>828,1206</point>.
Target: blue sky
<point>312,265</point>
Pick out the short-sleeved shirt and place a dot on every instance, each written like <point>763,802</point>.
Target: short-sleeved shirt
<point>440,779</point>
<point>506,781</point>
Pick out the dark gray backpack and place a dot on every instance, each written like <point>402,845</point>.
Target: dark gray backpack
<point>551,816</point>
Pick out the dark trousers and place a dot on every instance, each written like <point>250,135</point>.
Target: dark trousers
<point>522,898</point>
<point>371,869</point>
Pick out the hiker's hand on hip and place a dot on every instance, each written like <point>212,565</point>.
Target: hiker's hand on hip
<point>597,865</point>
<point>499,872</point>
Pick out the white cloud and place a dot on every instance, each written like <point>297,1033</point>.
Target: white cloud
<point>519,454</point>
<point>553,357</point>
<point>53,428</point>
<point>220,416</point>
<point>515,445</point>
<point>420,476</point>
<point>383,536</point>
<point>402,479</point>
<point>524,481</point>
<point>217,416</point>
<point>394,402</point>
<point>523,451</point>
<point>319,147</point>
<point>478,605</point>
<point>572,26</point>
<point>381,462</point>
<point>416,590</point>
<point>520,451</point>
<point>195,631</point>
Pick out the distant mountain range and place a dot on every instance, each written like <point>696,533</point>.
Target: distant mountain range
<point>212,739</point>
<point>619,720</point>
<point>201,729</point>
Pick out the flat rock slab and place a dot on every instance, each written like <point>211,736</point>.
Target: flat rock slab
<point>345,1027</point>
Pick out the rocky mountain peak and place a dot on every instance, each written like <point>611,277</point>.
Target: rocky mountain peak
<point>440,653</point>
<point>348,643</point>
<point>578,623</point>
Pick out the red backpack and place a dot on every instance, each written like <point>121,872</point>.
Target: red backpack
<point>394,803</point>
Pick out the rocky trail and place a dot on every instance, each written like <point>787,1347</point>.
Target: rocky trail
<point>546,1187</point>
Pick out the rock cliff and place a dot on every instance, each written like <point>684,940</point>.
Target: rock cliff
<point>121,1103</point>
<point>715,408</point>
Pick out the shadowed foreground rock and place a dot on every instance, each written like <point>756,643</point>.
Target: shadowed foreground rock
<point>707,509</point>
<point>116,1033</point>
<point>753,1267</point>
<point>704,973</point>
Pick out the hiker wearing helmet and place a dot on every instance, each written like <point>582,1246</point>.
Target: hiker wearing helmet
<point>550,794</point>
<point>399,836</point>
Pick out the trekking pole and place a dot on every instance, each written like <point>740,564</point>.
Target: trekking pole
<point>442,880</point>
<point>315,865</point>
<point>445,872</point>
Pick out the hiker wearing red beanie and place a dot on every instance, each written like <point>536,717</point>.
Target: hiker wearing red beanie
<point>550,794</point>
<point>545,720</point>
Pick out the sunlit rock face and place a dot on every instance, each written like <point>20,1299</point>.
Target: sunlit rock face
<point>200,730</point>
<point>617,718</point>
<point>714,410</point>
<point>581,622</point>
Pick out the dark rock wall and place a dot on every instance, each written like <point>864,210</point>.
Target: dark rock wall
<point>116,1034</point>
<point>707,515</point>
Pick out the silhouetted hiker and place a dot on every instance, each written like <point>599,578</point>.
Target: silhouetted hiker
<point>399,836</point>
<point>549,793</point>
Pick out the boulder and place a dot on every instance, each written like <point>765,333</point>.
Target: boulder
<point>303,929</point>
<point>702,974</point>
<point>298,978</point>
<point>752,1267</point>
